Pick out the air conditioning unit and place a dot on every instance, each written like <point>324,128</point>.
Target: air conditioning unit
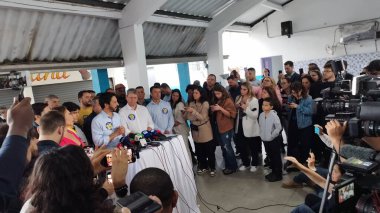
<point>358,32</point>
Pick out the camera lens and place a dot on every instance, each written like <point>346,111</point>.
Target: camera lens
<point>371,128</point>
<point>333,106</point>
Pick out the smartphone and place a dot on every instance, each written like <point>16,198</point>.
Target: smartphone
<point>316,130</point>
<point>109,177</point>
<point>109,160</point>
<point>89,151</point>
<point>21,95</point>
<point>301,71</point>
<point>139,202</point>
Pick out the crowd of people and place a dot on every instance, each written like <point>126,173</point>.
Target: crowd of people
<point>241,118</point>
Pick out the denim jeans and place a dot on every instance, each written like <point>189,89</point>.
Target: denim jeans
<point>228,152</point>
<point>302,209</point>
<point>302,178</point>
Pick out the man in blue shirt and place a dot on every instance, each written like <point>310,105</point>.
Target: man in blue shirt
<point>160,111</point>
<point>106,127</point>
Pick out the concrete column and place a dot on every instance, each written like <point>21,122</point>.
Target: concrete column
<point>215,54</point>
<point>132,43</point>
<point>100,81</point>
<point>184,78</point>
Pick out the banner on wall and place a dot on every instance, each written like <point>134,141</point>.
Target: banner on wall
<point>56,77</point>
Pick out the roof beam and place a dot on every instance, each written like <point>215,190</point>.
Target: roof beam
<point>138,11</point>
<point>182,15</point>
<point>177,21</point>
<point>62,65</point>
<point>103,4</point>
<point>272,5</point>
<point>230,14</point>
<point>176,60</point>
<point>48,6</point>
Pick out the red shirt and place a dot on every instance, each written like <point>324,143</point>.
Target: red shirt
<point>67,141</point>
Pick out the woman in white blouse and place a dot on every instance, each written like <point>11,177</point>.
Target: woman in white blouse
<point>180,124</point>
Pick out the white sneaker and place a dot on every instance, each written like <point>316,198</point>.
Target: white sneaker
<point>243,168</point>
<point>253,169</point>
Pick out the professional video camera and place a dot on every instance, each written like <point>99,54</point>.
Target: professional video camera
<point>357,102</point>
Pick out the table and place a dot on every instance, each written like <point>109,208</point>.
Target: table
<point>172,157</point>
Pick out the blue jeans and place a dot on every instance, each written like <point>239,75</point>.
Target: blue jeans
<point>302,209</point>
<point>228,152</point>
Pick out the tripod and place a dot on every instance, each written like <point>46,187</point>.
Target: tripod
<point>325,190</point>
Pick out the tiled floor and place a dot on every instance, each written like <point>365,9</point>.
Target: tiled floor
<point>246,189</point>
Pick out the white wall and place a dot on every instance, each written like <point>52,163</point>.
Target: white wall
<point>314,24</point>
<point>119,76</point>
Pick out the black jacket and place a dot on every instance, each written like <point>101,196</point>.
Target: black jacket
<point>46,146</point>
<point>12,166</point>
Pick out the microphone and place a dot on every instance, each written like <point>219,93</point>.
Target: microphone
<point>125,141</point>
<point>153,132</point>
<point>146,134</point>
<point>361,153</point>
<point>138,136</point>
<point>132,135</point>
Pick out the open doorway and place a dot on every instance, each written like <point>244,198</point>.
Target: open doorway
<point>274,64</point>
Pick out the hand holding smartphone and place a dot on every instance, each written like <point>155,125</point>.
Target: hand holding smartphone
<point>318,129</point>
<point>21,95</point>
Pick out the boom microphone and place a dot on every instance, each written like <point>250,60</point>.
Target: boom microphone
<point>361,153</point>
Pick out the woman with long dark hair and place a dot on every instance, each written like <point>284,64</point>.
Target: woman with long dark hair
<point>316,85</point>
<point>62,181</point>
<point>300,123</point>
<point>197,113</point>
<point>307,81</point>
<point>225,112</point>
<point>247,128</point>
<point>269,92</point>
<point>180,125</point>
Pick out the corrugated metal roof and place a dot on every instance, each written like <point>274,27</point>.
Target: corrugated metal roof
<point>255,13</point>
<point>31,36</point>
<point>205,8</point>
<point>164,40</point>
<point>35,37</point>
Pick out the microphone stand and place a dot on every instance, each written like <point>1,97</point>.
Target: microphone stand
<point>325,190</point>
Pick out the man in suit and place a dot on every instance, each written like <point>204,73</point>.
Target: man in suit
<point>290,73</point>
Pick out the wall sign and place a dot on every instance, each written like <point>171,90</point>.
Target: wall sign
<point>54,77</point>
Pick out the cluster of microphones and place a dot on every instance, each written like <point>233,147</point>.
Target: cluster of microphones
<point>136,141</point>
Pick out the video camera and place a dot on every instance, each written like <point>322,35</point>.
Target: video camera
<point>357,102</point>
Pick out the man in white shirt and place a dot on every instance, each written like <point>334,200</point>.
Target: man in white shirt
<point>135,118</point>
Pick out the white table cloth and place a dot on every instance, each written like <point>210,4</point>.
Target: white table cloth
<point>172,157</point>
